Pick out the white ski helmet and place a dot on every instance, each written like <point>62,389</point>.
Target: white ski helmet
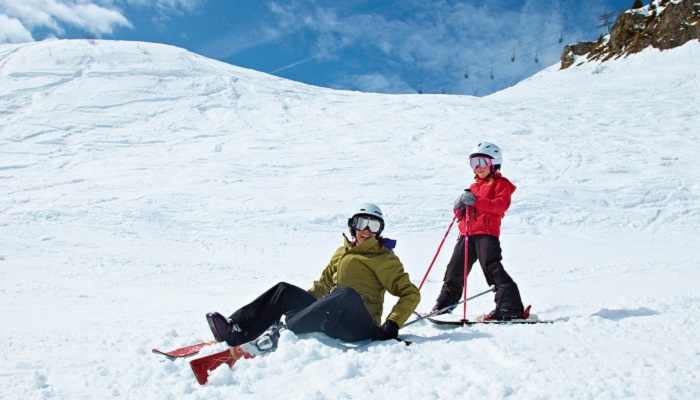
<point>367,209</point>
<point>490,150</point>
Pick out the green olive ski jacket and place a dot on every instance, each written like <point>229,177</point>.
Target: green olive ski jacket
<point>370,269</point>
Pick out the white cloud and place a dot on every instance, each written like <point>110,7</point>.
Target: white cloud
<point>426,41</point>
<point>56,15</point>
<point>374,82</point>
<point>166,6</point>
<point>164,9</point>
<point>246,36</point>
<point>12,31</point>
<point>91,18</point>
<point>97,17</point>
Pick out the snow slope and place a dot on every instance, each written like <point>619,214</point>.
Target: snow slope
<point>142,186</point>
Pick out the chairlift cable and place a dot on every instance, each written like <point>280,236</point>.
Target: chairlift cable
<point>512,51</point>
<point>427,89</point>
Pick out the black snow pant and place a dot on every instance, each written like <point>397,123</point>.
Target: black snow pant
<point>340,315</point>
<point>487,249</point>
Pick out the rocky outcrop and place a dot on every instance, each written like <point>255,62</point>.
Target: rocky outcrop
<point>663,24</point>
<point>579,49</point>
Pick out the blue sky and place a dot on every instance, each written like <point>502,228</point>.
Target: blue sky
<point>374,46</point>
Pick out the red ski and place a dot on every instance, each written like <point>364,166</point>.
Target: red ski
<point>202,366</point>
<point>183,351</point>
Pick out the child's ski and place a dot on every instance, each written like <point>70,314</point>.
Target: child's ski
<point>449,319</point>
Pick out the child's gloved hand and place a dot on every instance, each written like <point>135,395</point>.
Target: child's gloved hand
<point>467,198</point>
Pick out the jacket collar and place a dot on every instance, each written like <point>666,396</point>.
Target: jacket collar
<point>497,175</point>
<point>370,245</point>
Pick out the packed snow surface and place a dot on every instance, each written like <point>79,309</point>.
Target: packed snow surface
<point>142,186</point>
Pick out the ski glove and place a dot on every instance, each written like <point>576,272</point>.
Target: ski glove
<point>390,330</point>
<point>467,198</point>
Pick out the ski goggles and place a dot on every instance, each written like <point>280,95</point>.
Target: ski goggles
<point>483,162</point>
<point>362,223</point>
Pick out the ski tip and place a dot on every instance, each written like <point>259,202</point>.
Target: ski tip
<point>163,353</point>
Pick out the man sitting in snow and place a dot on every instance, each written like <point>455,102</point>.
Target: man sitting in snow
<point>345,303</point>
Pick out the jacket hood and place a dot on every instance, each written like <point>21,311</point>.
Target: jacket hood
<point>497,176</point>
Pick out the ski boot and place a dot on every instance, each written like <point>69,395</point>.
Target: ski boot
<point>439,306</point>
<point>225,330</point>
<point>503,314</point>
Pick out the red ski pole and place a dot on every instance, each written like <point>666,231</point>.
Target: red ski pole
<point>466,258</point>
<point>437,252</point>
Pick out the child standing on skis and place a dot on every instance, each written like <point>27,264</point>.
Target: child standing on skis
<point>480,210</point>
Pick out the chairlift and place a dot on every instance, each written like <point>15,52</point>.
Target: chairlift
<point>420,89</point>
<point>512,59</point>
<point>466,73</point>
<point>536,59</point>
<point>491,72</point>
<point>561,36</point>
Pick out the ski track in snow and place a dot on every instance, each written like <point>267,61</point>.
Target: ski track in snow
<point>143,186</point>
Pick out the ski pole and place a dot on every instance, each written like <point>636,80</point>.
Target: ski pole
<point>491,289</point>
<point>466,257</point>
<point>449,228</point>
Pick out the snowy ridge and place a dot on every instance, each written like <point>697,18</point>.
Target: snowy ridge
<point>142,186</point>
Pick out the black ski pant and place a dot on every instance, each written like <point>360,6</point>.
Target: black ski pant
<point>487,249</point>
<point>340,314</point>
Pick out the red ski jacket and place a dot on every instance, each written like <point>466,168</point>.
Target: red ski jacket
<point>492,201</point>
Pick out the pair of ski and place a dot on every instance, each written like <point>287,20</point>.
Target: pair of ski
<point>448,319</point>
<point>443,316</point>
<point>202,365</point>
